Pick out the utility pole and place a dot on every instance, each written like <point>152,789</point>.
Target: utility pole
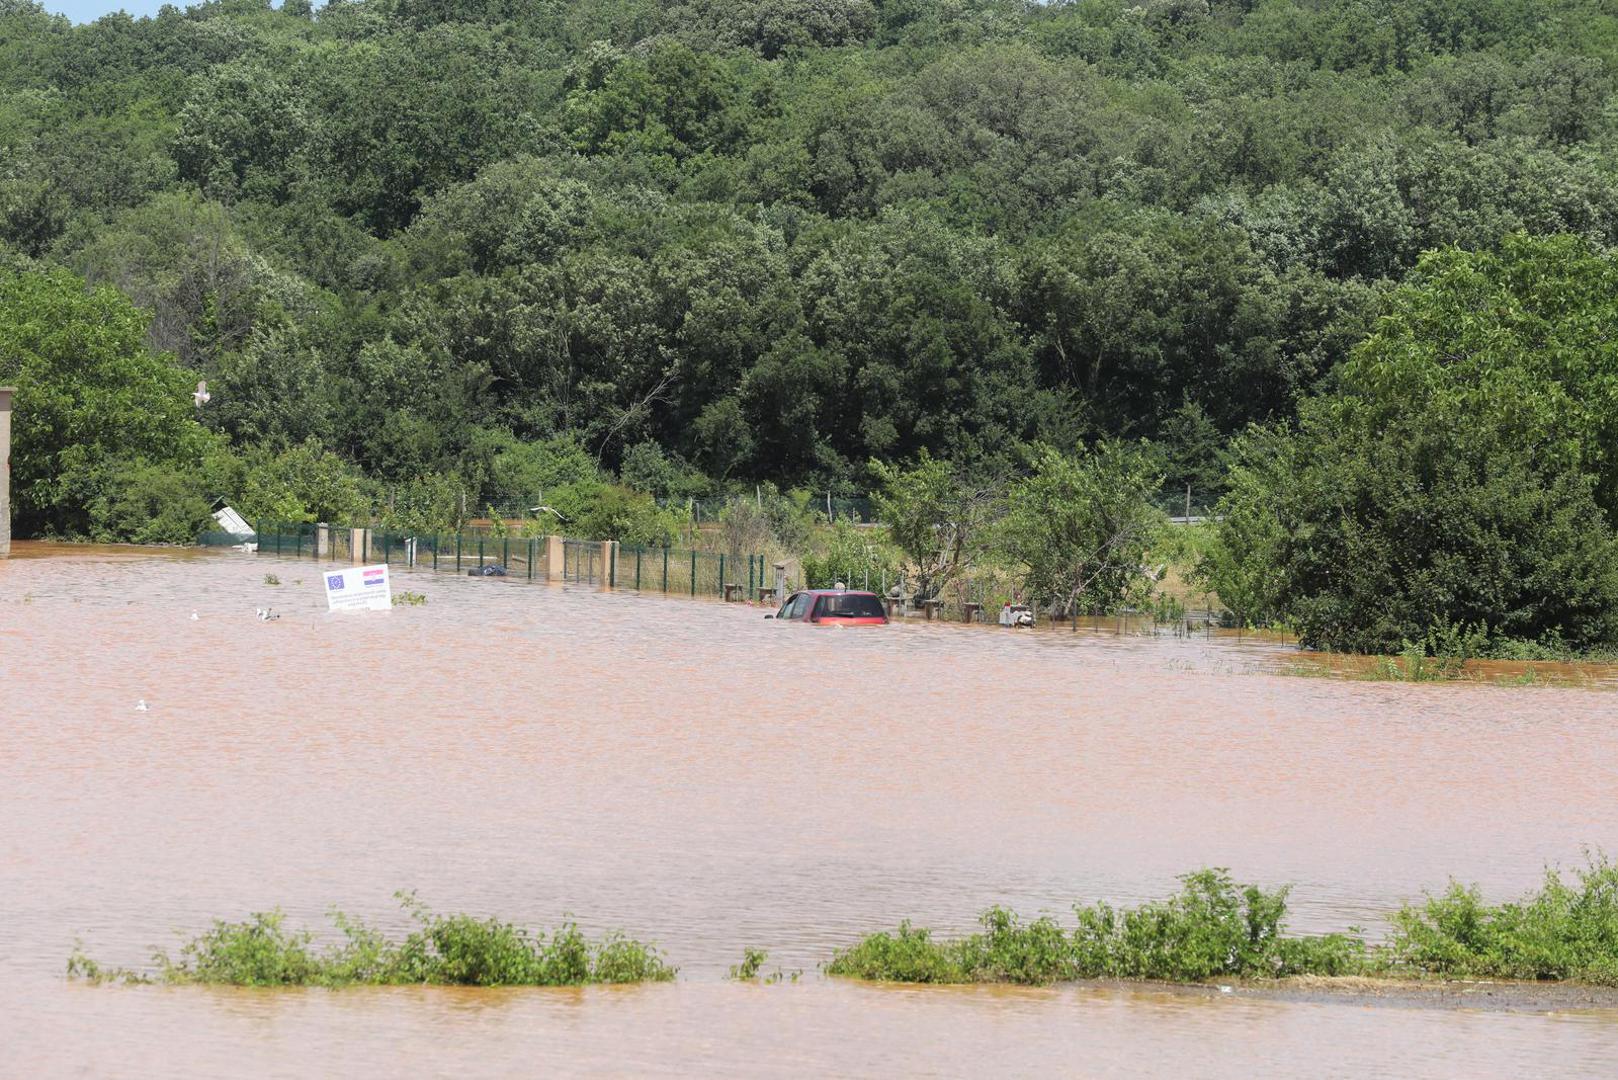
<point>5,469</point>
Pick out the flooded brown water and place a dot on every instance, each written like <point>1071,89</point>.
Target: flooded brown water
<point>694,775</point>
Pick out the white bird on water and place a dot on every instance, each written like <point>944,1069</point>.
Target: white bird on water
<point>140,706</point>
<point>202,397</point>
<point>265,614</point>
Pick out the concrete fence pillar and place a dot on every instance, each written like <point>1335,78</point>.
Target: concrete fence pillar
<point>555,558</point>
<point>359,544</point>
<point>322,540</point>
<point>5,469</point>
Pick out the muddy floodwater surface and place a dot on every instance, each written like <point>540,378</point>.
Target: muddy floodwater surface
<point>707,780</point>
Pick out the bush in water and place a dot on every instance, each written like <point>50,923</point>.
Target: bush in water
<point>457,950</point>
<point>1215,928</point>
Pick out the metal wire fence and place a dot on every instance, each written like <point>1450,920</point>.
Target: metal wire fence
<point>674,571</point>
<point>678,571</point>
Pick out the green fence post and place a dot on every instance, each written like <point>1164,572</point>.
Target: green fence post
<point>480,551</point>
<point>530,558</point>
<point>637,568</point>
<point>665,568</point>
<point>387,549</point>
<point>297,550</point>
<point>693,571</point>
<point>457,551</point>
<point>721,574</point>
<point>435,552</point>
<point>612,568</point>
<point>505,552</point>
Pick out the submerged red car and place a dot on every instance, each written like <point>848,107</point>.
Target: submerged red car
<point>833,607</point>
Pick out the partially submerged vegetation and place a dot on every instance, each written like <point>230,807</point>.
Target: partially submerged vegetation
<point>1412,665</point>
<point>450,950</point>
<point>751,969</point>
<point>1212,928</point>
<point>1215,928</point>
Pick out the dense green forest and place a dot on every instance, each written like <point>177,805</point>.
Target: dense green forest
<point>426,248</point>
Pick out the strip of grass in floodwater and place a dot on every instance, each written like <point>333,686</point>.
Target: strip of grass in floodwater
<point>450,950</point>
<point>1215,928</point>
<point>1553,674</point>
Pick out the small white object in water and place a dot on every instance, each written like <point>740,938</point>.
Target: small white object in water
<point>193,616</point>
<point>140,706</point>
<point>265,614</point>
<point>1224,989</point>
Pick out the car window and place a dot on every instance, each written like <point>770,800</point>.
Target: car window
<point>849,606</point>
<point>795,607</point>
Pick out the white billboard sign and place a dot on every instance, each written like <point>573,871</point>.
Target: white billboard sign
<point>363,588</point>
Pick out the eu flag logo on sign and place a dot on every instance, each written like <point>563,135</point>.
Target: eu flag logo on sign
<point>334,581</point>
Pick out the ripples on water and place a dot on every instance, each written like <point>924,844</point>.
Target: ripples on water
<point>695,775</point>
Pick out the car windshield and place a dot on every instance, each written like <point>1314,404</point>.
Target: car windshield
<point>849,606</point>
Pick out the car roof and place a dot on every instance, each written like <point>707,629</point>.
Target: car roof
<point>838,592</point>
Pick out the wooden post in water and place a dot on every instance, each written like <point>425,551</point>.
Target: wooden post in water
<point>5,469</point>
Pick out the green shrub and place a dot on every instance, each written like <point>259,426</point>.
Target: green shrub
<point>459,950</point>
<point>1560,932</point>
<point>306,482</point>
<point>140,502</point>
<point>1213,928</point>
<point>92,397</point>
<point>596,511</point>
<point>256,952</point>
<point>1455,481</point>
<point>906,955</point>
